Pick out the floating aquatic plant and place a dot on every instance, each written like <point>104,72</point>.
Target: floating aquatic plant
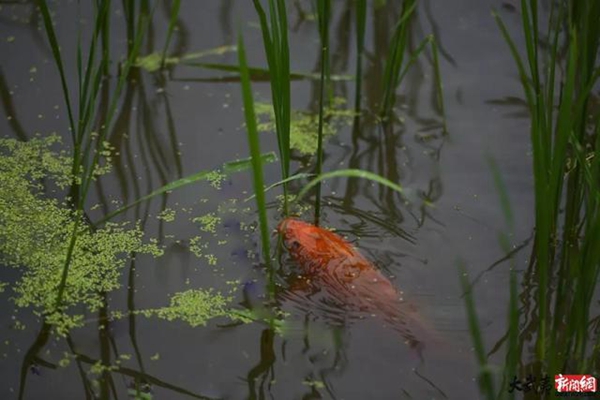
<point>208,222</point>
<point>34,232</point>
<point>167,215</point>
<point>305,126</point>
<point>195,307</point>
<point>199,248</point>
<point>216,178</point>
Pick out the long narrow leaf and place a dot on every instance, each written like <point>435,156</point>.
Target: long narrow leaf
<point>59,63</point>
<point>349,173</point>
<point>253,142</point>
<point>227,169</point>
<point>172,22</point>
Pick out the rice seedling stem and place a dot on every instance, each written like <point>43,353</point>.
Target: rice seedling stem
<point>438,83</point>
<point>275,39</point>
<point>58,60</point>
<point>565,251</point>
<point>84,166</point>
<point>348,173</point>
<point>485,379</point>
<point>398,46</point>
<point>172,21</point>
<point>105,28</point>
<point>253,142</point>
<point>361,21</point>
<point>323,10</point>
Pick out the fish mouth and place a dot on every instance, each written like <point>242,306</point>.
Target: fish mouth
<point>282,226</point>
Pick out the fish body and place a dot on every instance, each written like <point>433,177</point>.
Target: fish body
<point>334,265</point>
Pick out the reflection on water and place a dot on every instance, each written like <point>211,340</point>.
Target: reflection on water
<point>181,120</point>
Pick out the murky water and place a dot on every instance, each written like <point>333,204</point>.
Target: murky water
<point>174,124</point>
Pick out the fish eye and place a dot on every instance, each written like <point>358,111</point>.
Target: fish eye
<point>295,245</point>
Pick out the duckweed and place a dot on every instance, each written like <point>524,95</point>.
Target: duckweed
<point>215,178</point>
<point>65,361</point>
<point>315,384</point>
<point>98,368</point>
<point>208,222</point>
<point>198,248</point>
<point>34,233</point>
<point>167,215</point>
<point>194,306</point>
<point>298,208</point>
<point>304,125</point>
<point>211,259</point>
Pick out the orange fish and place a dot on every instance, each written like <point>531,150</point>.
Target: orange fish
<point>332,264</point>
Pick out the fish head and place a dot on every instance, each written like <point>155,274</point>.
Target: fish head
<point>313,247</point>
<point>296,234</point>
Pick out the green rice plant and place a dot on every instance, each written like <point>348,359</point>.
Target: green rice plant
<point>172,21</point>
<point>295,177</point>
<point>361,21</point>
<point>256,73</point>
<point>564,132</point>
<point>396,68</point>
<point>323,10</point>
<point>58,60</point>
<point>86,144</point>
<point>512,350</point>
<point>486,381</point>
<point>393,63</point>
<point>105,32</point>
<point>349,173</point>
<point>275,39</point>
<point>486,375</point>
<point>254,144</point>
<point>228,169</point>
<point>438,83</point>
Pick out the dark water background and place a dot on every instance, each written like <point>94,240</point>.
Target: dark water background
<point>180,123</point>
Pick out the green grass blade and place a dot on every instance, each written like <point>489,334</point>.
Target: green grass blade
<point>323,16</point>
<point>105,29</point>
<point>284,76</point>
<point>257,73</point>
<point>515,53</point>
<point>243,164</point>
<point>87,98</point>
<point>438,83</point>
<point>361,21</point>
<point>107,125</point>
<point>277,51</point>
<point>485,379</point>
<point>89,169</point>
<point>393,63</point>
<point>227,169</point>
<point>301,175</point>
<point>413,58</point>
<point>502,192</point>
<point>172,22</point>
<point>349,173</point>
<point>59,64</point>
<point>69,256</point>
<point>253,142</point>
<point>512,356</point>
